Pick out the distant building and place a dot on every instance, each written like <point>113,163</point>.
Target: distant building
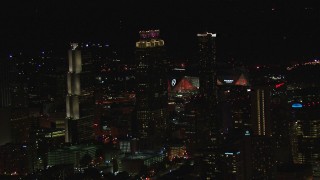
<point>5,96</point>
<point>70,155</point>
<point>80,99</point>
<point>294,171</point>
<point>254,157</point>
<point>207,64</point>
<point>261,111</point>
<point>232,168</point>
<point>16,159</point>
<point>135,163</point>
<point>151,88</point>
<point>262,156</point>
<point>22,123</point>
<point>5,128</point>
<point>305,137</point>
<point>303,91</point>
<point>5,102</point>
<point>208,125</point>
<point>177,151</point>
<point>61,171</point>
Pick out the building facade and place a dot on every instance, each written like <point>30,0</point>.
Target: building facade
<point>208,125</point>
<point>151,88</point>
<point>5,102</point>
<point>79,100</point>
<point>261,111</point>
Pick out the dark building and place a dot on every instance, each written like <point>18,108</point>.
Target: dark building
<point>256,157</point>
<point>16,159</point>
<point>207,70</point>
<point>232,165</point>
<point>304,101</point>
<point>5,133</point>
<point>294,171</point>
<point>234,95</point>
<point>151,86</point>
<point>5,96</point>
<point>80,99</point>
<point>208,125</point>
<point>5,102</point>
<point>305,137</point>
<point>262,156</point>
<point>280,118</point>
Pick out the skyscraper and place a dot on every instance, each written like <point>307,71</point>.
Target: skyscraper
<point>263,147</point>
<point>260,111</point>
<point>5,102</point>
<point>151,90</point>
<point>208,125</point>
<point>305,137</point>
<point>207,66</point>
<point>5,97</point>
<point>79,100</point>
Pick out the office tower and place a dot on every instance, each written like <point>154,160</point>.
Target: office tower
<point>262,143</point>
<point>208,125</point>
<point>305,136</point>
<point>262,156</point>
<point>5,102</point>
<point>79,100</point>
<point>5,97</point>
<point>207,80</point>
<point>151,88</point>
<point>231,164</point>
<point>294,171</point>
<point>207,66</point>
<point>303,91</point>
<point>253,157</point>
<point>280,118</point>
<point>261,111</point>
<point>16,159</point>
<point>5,133</point>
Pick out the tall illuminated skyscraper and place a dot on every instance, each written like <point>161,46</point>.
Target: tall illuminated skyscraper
<point>151,92</point>
<point>263,147</point>
<point>260,112</point>
<point>79,100</point>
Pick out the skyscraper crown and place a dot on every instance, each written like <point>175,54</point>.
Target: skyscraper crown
<point>150,34</point>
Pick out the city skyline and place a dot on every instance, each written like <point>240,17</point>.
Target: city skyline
<point>223,89</point>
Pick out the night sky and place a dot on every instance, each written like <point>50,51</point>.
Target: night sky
<point>248,31</point>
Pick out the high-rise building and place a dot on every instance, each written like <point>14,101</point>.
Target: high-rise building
<point>5,133</point>
<point>207,66</point>
<point>262,157</point>
<point>208,125</point>
<point>304,101</point>
<point>262,142</point>
<point>79,100</point>
<point>305,137</point>
<point>5,102</point>
<point>151,89</point>
<point>5,97</point>
<point>261,111</point>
